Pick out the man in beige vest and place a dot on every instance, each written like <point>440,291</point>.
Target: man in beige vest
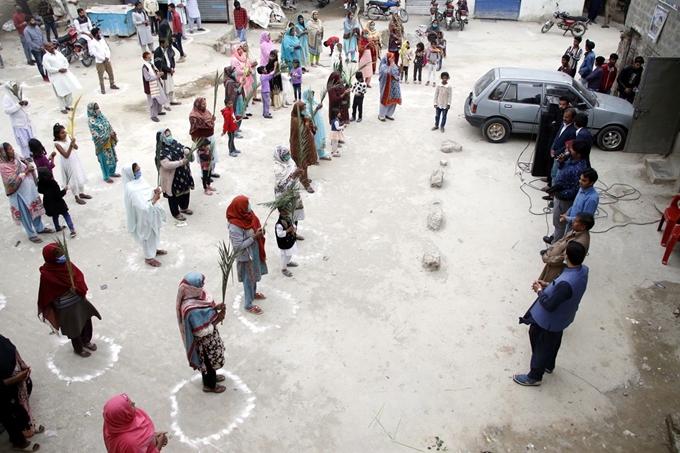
<point>553,257</point>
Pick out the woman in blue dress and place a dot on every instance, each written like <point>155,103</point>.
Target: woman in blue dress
<point>313,110</point>
<point>351,36</point>
<point>290,47</point>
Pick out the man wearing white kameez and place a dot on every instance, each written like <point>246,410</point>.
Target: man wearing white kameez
<point>194,15</point>
<point>182,10</point>
<point>142,23</point>
<point>13,105</point>
<point>62,79</point>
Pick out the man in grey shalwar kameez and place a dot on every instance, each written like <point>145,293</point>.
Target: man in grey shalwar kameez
<point>142,23</point>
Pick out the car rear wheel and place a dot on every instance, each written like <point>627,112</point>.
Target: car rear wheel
<point>611,138</point>
<point>496,130</point>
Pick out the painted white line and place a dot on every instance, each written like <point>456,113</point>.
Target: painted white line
<point>247,319</point>
<point>317,235</point>
<point>196,441</point>
<point>3,301</point>
<point>114,351</point>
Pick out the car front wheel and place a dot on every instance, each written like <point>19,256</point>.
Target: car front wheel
<point>611,138</point>
<point>496,130</point>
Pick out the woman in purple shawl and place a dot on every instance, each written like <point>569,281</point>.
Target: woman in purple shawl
<point>390,90</point>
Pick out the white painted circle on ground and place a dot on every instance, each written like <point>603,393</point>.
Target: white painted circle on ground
<point>272,307</point>
<point>317,241</point>
<point>135,261</point>
<point>3,301</point>
<point>70,367</point>
<point>223,411</point>
<point>196,33</point>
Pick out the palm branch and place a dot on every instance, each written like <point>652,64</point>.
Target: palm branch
<point>217,82</point>
<point>64,248</point>
<point>71,128</point>
<point>158,162</point>
<point>18,93</point>
<point>287,201</point>
<point>69,174</point>
<point>227,258</point>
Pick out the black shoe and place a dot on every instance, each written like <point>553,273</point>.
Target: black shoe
<point>547,197</point>
<point>523,379</point>
<point>161,113</point>
<point>551,205</point>
<point>543,252</point>
<point>548,371</point>
<point>548,239</point>
<point>214,175</point>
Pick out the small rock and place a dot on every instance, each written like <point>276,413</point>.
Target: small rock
<point>628,433</point>
<point>676,312</point>
<point>625,393</point>
<point>445,162</point>
<point>437,178</point>
<point>449,146</point>
<point>435,217</point>
<point>431,261</point>
<point>646,367</point>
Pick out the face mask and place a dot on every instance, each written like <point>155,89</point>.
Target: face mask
<point>365,36</point>
<point>233,74</point>
<point>138,174</point>
<point>372,27</point>
<point>169,138</point>
<point>61,259</point>
<point>249,208</point>
<point>286,158</point>
<point>435,25</point>
<point>148,61</point>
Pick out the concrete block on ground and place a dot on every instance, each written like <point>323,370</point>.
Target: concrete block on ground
<point>437,178</point>
<point>449,146</point>
<point>435,217</point>
<point>660,171</point>
<point>431,261</point>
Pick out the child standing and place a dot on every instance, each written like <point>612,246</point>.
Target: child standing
<point>406,58</point>
<point>72,170</point>
<point>359,90</point>
<point>265,77</point>
<point>441,45</point>
<point>336,131</point>
<point>230,126</point>
<point>433,56</point>
<point>286,240</point>
<point>296,80</point>
<point>419,62</point>
<point>205,158</point>
<point>53,199</point>
<point>442,101</point>
<point>39,155</point>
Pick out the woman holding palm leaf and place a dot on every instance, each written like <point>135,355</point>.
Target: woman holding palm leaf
<point>62,300</point>
<point>302,147</point>
<point>72,171</point>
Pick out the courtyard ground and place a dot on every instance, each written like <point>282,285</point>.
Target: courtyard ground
<point>362,350</point>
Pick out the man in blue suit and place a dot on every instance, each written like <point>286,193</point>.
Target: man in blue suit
<point>565,133</point>
<point>552,312</point>
<point>582,133</point>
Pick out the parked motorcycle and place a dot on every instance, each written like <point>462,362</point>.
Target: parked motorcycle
<point>577,25</point>
<point>435,14</point>
<point>462,14</point>
<point>323,3</point>
<point>73,48</point>
<point>350,5</point>
<point>378,9</point>
<point>448,14</point>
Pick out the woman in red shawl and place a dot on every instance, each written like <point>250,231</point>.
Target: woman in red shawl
<point>62,304</point>
<point>338,97</point>
<point>247,236</point>
<point>128,429</point>
<point>302,147</point>
<point>367,56</point>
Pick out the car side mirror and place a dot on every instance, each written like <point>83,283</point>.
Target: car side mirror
<point>582,106</point>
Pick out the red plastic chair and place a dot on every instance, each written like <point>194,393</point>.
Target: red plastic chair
<point>675,235</point>
<point>671,215</point>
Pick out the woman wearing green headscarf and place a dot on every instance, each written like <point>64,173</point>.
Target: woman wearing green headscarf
<point>105,141</point>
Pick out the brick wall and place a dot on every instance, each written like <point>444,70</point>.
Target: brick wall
<point>638,20</point>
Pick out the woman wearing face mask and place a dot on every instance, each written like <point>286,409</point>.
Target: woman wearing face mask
<point>155,93</point>
<point>375,36</point>
<point>233,91</point>
<point>367,57</point>
<point>62,303</point>
<point>286,172</point>
<point>176,180</point>
<point>144,214</point>
<point>246,235</point>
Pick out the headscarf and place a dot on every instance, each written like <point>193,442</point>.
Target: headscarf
<point>11,170</point>
<point>237,213</point>
<point>283,170</point>
<point>182,181</point>
<point>230,85</point>
<point>350,24</point>
<point>300,27</point>
<point>396,27</point>
<point>195,309</point>
<point>55,282</point>
<point>315,35</point>
<point>143,218</point>
<point>390,91</point>
<point>288,47</point>
<point>100,128</point>
<point>127,429</point>
<point>297,142</point>
<point>403,50</point>
<point>9,88</point>
<point>200,119</point>
<point>8,358</point>
<point>266,46</point>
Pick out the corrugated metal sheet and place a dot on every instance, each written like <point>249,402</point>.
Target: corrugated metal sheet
<point>497,9</point>
<point>116,19</point>
<point>214,10</point>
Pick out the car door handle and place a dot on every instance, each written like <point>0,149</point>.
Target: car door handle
<point>507,106</point>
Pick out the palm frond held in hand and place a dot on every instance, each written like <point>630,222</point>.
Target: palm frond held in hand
<point>64,248</point>
<point>216,85</point>
<point>71,128</point>
<point>227,258</point>
<point>288,201</point>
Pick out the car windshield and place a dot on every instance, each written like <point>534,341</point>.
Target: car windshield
<point>484,82</point>
<point>583,91</point>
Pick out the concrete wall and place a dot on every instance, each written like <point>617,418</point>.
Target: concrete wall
<point>531,10</point>
<point>639,18</point>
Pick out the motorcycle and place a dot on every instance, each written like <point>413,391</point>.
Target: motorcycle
<point>462,14</point>
<point>435,14</point>
<point>323,3</point>
<point>378,9</point>
<point>577,25</point>
<point>350,5</point>
<point>71,47</point>
<point>449,13</point>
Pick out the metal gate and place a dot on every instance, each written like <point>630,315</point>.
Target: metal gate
<point>214,10</point>
<point>656,120</point>
<point>497,9</point>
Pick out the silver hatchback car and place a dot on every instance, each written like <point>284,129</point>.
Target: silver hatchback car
<point>508,100</point>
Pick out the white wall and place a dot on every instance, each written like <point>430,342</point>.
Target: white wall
<point>540,10</point>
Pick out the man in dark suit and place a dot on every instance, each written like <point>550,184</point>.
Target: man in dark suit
<point>565,132</point>
<point>164,61</point>
<point>582,133</point>
<point>552,312</point>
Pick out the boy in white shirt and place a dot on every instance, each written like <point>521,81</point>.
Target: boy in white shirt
<point>359,90</point>
<point>442,101</point>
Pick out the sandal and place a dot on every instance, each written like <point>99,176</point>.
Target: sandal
<point>188,211</point>
<point>115,175</point>
<point>46,231</point>
<point>161,252</point>
<point>35,239</point>
<point>207,192</point>
<point>32,446</point>
<point>325,158</point>
<point>255,310</point>
<point>79,200</point>
<point>217,389</point>
<point>299,238</point>
<point>292,264</point>
<point>309,189</point>
<point>73,234</point>
<point>220,378</point>
<point>109,181</point>
<point>85,196</point>
<point>286,272</point>
<point>180,217</point>
<point>260,296</point>
<point>84,354</point>
<point>37,430</point>
<point>90,346</point>
<point>153,262</point>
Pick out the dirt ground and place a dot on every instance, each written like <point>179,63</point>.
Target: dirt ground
<point>362,350</point>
